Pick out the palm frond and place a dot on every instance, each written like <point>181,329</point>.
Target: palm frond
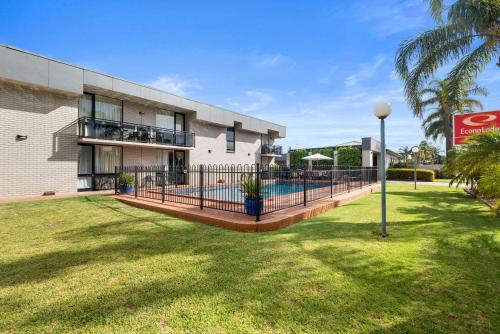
<point>467,68</point>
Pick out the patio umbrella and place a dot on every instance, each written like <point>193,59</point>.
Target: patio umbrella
<point>316,157</point>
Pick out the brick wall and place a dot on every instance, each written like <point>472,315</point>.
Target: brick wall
<point>47,159</point>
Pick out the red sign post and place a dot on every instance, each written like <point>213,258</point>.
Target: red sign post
<point>466,125</point>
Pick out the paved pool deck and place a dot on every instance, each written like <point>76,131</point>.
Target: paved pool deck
<point>245,223</point>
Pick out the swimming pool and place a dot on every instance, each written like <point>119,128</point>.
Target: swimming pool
<point>233,193</point>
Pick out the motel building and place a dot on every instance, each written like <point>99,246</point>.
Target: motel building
<point>65,128</point>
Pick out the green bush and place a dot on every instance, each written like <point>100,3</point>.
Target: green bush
<point>399,165</point>
<point>407,174</point>
<point>126,179</point>
<point>296,157</point>
<point>489,182</point>
<point>349,156</point>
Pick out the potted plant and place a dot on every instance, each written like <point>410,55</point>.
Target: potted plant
<point>126,183</point>
<point>254,202</point>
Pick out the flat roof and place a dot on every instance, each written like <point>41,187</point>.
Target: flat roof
<point>33,69</point>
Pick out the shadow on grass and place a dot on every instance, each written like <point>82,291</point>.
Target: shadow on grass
<point>297,279</point>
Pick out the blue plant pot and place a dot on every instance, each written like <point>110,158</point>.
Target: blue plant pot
<point>126,188</point>
<point>254,206</point>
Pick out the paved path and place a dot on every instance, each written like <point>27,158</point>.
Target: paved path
<point>420,183</point>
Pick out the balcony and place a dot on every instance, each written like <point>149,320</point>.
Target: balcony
<point>267,149</point>
<point>95,128</point>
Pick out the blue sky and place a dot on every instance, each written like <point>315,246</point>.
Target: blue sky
<point>315,66</point>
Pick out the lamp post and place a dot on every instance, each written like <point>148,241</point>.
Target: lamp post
<point>382,110</point>
<point>415,150</point>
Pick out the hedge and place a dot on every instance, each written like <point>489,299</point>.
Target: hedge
<point>407,174</point>
<point>349,156</point>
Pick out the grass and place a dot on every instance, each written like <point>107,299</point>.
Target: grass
<point>94,265</point>
<point>442,180</point>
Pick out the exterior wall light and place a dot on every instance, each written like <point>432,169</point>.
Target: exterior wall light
<point>21,137</point>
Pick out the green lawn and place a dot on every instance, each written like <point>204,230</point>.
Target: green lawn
<point>442,180</point>
<point>92,264</point>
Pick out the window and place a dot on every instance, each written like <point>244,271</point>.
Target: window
<point>85,106</point>
<point>106,158</point>
<point>108,108</point>
<point>100,107</point>
<point>84,167</point>
<point>230,139</point>
<point>165,119</point>
<point>179,122</point>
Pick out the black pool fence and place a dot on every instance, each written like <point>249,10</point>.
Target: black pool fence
<point>249,189</point>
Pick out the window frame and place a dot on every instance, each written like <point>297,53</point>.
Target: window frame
<point>233,129</point>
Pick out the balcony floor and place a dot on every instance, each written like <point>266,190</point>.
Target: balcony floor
<point>131,144</point>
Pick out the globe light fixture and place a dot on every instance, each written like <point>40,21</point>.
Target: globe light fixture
<point>382,110</point>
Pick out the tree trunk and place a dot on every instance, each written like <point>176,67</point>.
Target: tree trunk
<point>448,134</point>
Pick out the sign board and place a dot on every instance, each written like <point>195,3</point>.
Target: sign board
<point>466,125</point>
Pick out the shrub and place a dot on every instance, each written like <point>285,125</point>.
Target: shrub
<point>252,189</point>
<point>399,165</point>
<point>489,183</point>
<point>126,179</point>
<point>407,174</point>
<point>349,156</point>
<point>296,157</point>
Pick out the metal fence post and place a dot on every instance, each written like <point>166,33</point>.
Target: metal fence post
<point>331,183</point>
<point>201,187</point>
<point>258,176</point>
<point>164,184</point>
<point>305,187</point>
<point>349,180</point>
<point>135,182</point>
<point>116,180</point>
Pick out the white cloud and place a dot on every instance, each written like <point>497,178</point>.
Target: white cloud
<point>259,100</point>
<point>175,85</point>
<point>388,17</point>
<point>259,59</point>
<point>393,75</point>
<point>364,72</point>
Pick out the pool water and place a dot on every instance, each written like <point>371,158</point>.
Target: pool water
<point>234,193</point>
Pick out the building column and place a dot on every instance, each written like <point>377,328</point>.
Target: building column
<point>367,158</point>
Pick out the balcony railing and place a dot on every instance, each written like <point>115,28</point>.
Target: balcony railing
<point>96,128</point>
<point>271,149</point>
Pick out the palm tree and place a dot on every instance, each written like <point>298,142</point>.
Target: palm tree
<point>445,102</point>
<point>480,153</point>
<point>470,34</point>
<point>405,151</point>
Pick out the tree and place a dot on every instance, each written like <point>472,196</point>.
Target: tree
<point>405,151</point>
<point>468,32</point>
<point>296,157</point>
<point>349,156</point>
<point>480,153</point>
<point>426,152</point>
<point>445,102</point>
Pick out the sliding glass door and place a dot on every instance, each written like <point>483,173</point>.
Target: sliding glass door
<point>96,166</point>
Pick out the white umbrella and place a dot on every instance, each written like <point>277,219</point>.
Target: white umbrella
<point>316,157</point>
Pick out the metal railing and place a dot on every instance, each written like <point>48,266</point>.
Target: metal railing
<point>225,187</point>
<point>96,128</point>
<point>271,149</point>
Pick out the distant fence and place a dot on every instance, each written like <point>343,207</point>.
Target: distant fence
<point>236,188</point>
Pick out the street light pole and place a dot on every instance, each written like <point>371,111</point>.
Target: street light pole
<point>415,150</point>
<point>382,110</point>
<point>382,174</point>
